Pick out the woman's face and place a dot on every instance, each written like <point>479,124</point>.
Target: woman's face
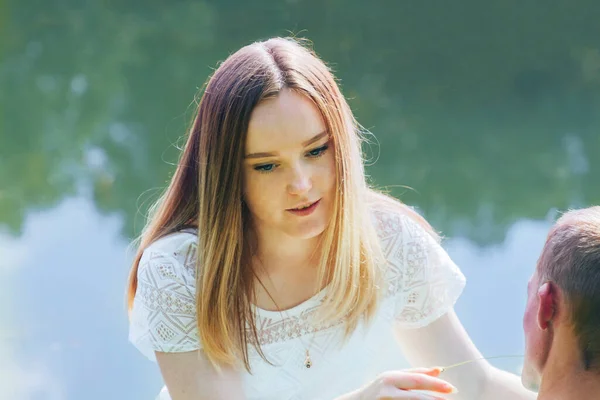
<point>289,167</point>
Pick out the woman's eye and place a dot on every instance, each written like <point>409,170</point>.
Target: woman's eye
<point>264,168</point>
<point>318,151</point>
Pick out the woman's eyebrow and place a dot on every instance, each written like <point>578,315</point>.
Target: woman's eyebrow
<point>308,142</point>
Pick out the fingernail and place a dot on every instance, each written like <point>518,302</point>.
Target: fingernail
<point>451,389</point>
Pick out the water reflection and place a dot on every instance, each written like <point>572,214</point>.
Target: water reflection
<point>488,125</point>
<point>65,332</point>
<point>493,302</point>
<point>491,126</point>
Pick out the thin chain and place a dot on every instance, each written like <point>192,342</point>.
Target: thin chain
<point>307,360</point>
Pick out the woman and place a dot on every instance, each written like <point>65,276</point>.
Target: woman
<point>270,270</point>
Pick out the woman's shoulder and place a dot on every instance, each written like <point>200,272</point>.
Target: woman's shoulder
<point>174,254</point>
<point>421,277</point>
<point>174,242</point>
<point>393,218</point>
<point>164,307</point>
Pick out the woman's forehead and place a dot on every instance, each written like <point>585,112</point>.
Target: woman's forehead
<point>289,120</point>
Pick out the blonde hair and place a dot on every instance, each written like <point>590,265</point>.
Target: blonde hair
<point>206,191</point>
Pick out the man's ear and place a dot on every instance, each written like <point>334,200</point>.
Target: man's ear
<point>547,295</point>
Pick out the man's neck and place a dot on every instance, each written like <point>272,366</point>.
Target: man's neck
<point>569,382</point>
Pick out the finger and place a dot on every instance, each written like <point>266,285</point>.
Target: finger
<point>411,381</point>
<point>433,371</point>
<point>404,395</point>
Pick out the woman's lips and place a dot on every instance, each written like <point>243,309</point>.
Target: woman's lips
<point>305,211</point>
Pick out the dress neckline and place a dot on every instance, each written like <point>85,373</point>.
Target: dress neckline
<point>293,311</point>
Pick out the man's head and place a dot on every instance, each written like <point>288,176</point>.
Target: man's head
<point>564,296</point>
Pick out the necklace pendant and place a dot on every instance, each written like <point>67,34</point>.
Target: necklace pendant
<point>307,360</point>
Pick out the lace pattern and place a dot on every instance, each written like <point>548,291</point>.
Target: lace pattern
<point>163,316</point>
<point>276,330</point>
<point>421,278</point>
<point>421,275</point>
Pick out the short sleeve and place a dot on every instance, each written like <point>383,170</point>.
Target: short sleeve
<point>425,281</point>
<point>163,316</point>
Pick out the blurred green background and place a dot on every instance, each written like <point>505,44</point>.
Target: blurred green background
<point>486,117</point>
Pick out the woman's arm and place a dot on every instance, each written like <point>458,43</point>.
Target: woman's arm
<point>190,376</point>
<point>445,342</point>
<point>501,383</point>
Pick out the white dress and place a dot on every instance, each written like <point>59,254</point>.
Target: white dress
<point>422,284</point>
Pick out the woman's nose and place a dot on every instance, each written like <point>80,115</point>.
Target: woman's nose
<point>300,182</point>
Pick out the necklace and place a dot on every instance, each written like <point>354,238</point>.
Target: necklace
<point>307,360</point>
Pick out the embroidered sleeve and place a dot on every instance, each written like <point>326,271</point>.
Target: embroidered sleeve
<point>163,317</point>
<point>431,281</point>
<point>422,278</point>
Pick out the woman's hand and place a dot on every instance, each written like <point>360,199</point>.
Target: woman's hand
<point>402,385</point>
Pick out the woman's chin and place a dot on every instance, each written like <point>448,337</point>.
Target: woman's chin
<point>307,231</point>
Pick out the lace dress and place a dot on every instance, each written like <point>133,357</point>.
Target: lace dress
<point>422,284</point>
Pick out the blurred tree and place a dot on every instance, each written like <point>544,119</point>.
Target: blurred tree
<point>489,111</point>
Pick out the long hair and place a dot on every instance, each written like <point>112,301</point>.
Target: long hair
<point>206,191</point>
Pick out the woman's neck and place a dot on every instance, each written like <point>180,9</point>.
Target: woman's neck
<point>278,251</point>
<point>286,269</point>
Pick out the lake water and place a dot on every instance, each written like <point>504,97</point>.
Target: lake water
<point>486,117</point>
